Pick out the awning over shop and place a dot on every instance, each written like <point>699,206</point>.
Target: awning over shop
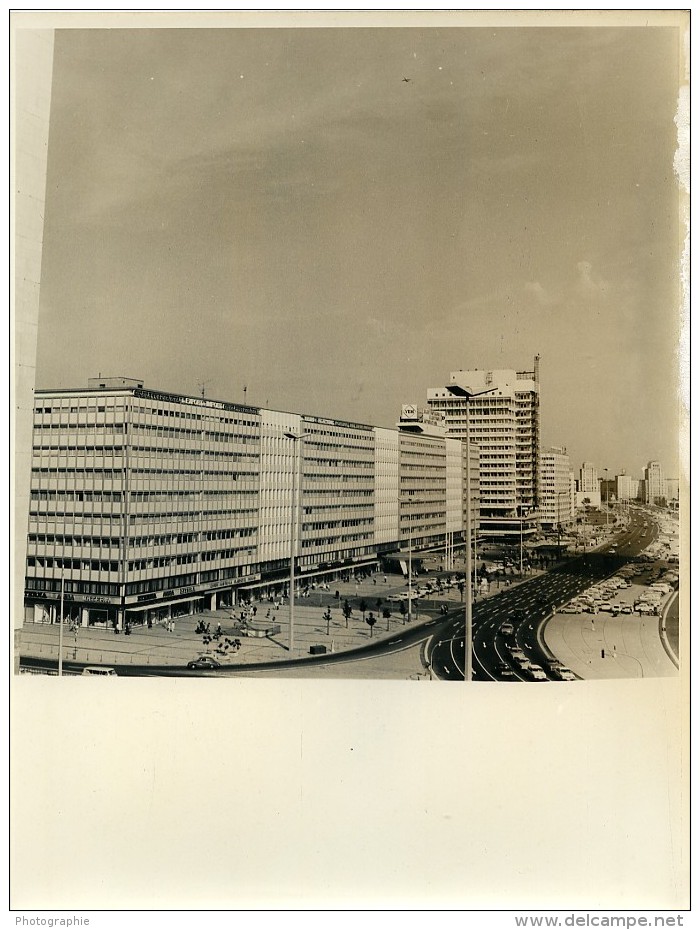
<point>164,603</point>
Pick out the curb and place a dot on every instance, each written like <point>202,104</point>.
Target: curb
<point>662,631</point>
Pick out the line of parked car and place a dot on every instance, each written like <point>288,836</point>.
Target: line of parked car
<point>525,665</point>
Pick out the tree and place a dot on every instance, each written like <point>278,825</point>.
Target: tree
<point>371,620</point>
<point>379,603</point>
<point>363,608</point>
<point>402,610</point>
<point>327,618</point>
<point>387,615</point>
<point>461,590</point>
<point>347,611</point>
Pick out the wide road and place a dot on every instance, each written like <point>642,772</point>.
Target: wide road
<point>527,606</point>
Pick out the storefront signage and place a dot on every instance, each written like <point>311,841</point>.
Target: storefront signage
<point>193,401</point>
<point>48,595</point>
<point>338,423</point>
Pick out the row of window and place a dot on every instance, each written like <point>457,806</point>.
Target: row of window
<point>37,585</point>
<point>73,496</point>
<point>108,427</point>
<point>84,565</point>
<point>191,516</point>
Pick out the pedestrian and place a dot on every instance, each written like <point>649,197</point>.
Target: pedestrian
<point>218,629</point>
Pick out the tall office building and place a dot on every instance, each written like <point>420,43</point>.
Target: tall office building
<point>655,489</point>
<point>505,425</point>
<point>623,487</point>
<point>555,488</point>
<point>588,480</point>
<point>146,504</point>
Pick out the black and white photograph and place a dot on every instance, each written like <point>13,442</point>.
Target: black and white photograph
<point>351,353</point>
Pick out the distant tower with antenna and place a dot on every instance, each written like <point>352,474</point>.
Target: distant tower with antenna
<point>202,385</point>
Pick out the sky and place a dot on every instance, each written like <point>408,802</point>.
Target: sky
<point>277,215</point>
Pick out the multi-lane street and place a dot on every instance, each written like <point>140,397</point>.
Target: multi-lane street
<point>525,608</point>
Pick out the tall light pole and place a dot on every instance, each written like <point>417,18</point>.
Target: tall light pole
<point>410,500</point>
<point>607,497</point>
<point>458,391</point>
<point>60,632</point>
<point>298,439</point>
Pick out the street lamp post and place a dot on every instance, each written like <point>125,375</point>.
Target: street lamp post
<point>410,547</point>
<point>298,439</point>
<point>60,632</point>
<point>521,541</point>
<point>458,391</point>
<point>607,497</point>
<point>410,500</point>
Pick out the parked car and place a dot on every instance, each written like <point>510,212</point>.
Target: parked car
<point>204,661</point>
<point>98,670</point>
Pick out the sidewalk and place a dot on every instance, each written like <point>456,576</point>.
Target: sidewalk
<point>157,646</point>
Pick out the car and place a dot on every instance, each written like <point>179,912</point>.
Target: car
<point>571,609</point>
<point>98,670</point>
<point>507,628</point>
<point>566,674</point>
<point>536,673</point>
<point>626,609</point>
<point>605,606</point>
<point>204,661</point>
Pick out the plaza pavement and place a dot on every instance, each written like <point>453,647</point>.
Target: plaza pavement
<point>159,647</point>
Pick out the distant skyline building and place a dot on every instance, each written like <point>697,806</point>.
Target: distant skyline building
<point>588,478</point>
<point>505,425</point>
<point>148,504</point>
<point>654,483</point>
<point>555,483</point>
<point>626,488</point>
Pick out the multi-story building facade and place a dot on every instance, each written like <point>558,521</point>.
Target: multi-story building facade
<point>588,479</point>
<point>555,489</point>
<point>146,504</point>
<point>624,487</point>
<point>505,426</point>
<point>627,487</point>
<point>655,490</point>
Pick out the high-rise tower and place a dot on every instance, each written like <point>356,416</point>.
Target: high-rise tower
<point>505,424</point>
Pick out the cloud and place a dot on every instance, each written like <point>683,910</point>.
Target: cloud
<point>589,283</point>
<point>539,294</point>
